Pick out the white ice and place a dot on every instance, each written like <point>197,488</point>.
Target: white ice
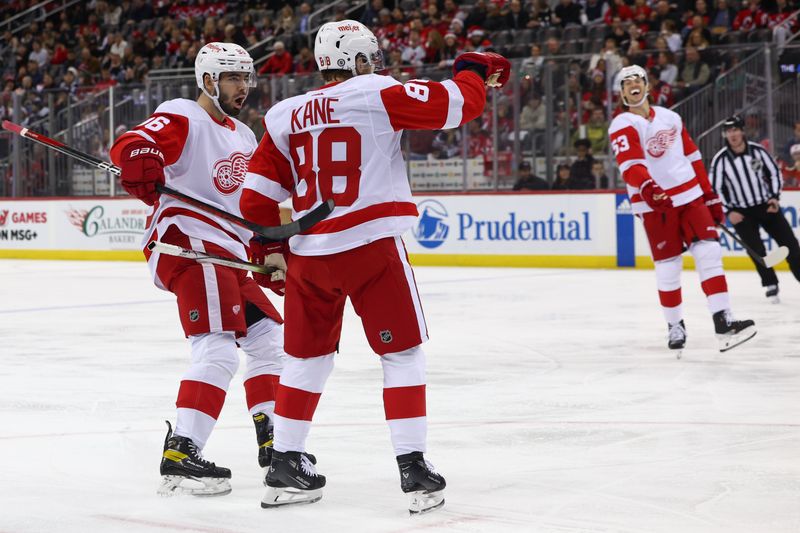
<point>554,405</point>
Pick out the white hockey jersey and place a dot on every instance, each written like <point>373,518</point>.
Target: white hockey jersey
<point>662,144</point>
<point>205,159</point>
<point>342,141</point>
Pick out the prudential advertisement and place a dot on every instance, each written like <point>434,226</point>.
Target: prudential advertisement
<point>523,230</point>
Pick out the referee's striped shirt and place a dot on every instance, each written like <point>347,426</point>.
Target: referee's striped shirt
<point>747,179</point>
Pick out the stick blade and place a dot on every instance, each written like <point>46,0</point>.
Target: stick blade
<point>776,256</point>
<point>14,128</point>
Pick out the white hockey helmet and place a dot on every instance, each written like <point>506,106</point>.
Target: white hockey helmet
<point>339,43</point>
<point>633,71</point>
<point>215,58</point>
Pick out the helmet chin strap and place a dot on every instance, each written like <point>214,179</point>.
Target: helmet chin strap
<point>638,104</point>
<point>215,98</point>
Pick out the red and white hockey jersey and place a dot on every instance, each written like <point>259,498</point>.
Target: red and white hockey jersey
<point>204,159</point>
<point>663,146</point>
<point>342,141</point>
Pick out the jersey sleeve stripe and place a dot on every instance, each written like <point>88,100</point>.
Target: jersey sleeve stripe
<point>694,156</point>
<point>625,165</point>
<point>142,134</point>
<point>354,218</point>
<point>266,187</point>
<point>455,105</point>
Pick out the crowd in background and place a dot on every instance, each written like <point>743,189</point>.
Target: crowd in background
<point>100,43</point>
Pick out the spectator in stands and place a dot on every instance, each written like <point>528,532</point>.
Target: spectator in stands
<point>668,70</point>
<point>476,41</point>
<point>594,10</point>
<point>661,13</point>
<point>601,180</point>
<point>641,14</point>
<point>755,130</point>
<point>305,62</point>
<point>660,91</point>
<point>618,9</point>
<point>618,32</point>
<point>118,45</point>
<point>722,18</point>
<point>413,52</point>
<point>782,30</point>
<point>447,144</point>
<point>552,46</point>
<point>495,18</point>
<point>69,81</point>
<point>562,181</point>
<point>542,15</point>
<point>597,131</point>
<point>791,170</point>
<point>371,16</point>
<point>533,115</point>
<point>516,18</point>
<point>287,22</point>
<point>695,72</point>
<point>434,47</point>
<point>527,181</point>
<point>609,54</point>
<point>280,62</point>
<point>568,13</point>
<point>580,173</point>
<point>449,51</point>
<point>533,63</point>
<point>477,15</point>
<point>39,53</point>
<point>785,154</point>
<point>673,38</point>
<point>751,17</point>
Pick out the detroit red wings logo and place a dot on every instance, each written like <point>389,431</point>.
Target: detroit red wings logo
<point>228,174</point>
<point>659,143</point>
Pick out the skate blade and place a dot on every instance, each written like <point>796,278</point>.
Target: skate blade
<point>730,342</point>
<point>283,496</point>
<point>773,300</point>
<point>174,486</point>
<point>678,352</point>
<point>424,502</point>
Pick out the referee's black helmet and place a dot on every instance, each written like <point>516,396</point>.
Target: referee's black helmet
<point>735,121</point>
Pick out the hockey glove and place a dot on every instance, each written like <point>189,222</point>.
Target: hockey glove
<point>714,205</point>
<point>493,68</point>
<point>263,252</point>
<point>141,168</point>
<point>655,196</point>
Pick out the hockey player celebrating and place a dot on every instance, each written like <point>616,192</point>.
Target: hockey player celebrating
<point>670,192</point>
<point>342,141</point>
<point>199,148</point>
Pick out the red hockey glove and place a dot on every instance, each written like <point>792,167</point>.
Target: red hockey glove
<point>267,253</point>
<point>655,196</point>
<point>141,167</point>
<point>714,205</point>
<point>494,68</point>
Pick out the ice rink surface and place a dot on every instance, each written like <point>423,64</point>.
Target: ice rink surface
<point>553,402</point>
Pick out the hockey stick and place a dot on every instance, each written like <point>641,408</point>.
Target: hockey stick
<point>203,257</point>
<point>770,260</point>
<point>272,233</point>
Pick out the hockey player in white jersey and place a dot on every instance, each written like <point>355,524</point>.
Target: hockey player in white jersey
<point>342,141</point>
<point>201,149</point>
<point>670,192</point>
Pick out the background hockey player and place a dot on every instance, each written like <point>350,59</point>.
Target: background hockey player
<point>750,183</point>
<point>670,192</point>
<point>342,141</point>
<point>200,149</point>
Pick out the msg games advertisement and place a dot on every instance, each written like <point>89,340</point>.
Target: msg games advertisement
<point>92,225</point>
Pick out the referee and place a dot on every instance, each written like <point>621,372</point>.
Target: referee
<point>747,179</point>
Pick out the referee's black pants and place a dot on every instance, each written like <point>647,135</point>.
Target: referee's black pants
<point>777,227</point>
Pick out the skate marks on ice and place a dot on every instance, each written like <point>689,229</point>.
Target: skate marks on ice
<point>554,405</point>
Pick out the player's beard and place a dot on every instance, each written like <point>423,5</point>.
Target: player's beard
<point>228,106</point>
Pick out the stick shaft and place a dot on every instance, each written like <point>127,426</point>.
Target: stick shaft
<point>756,257</point>
<point>203,257</point>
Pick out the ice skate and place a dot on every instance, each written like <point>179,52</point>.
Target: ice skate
<point>419,479</point>
<point>184,471</point>
<point>731,333</point>
<point>772,294</point>
<point>677,338</point>
<point>292,479</point>
<point>264,436</point>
